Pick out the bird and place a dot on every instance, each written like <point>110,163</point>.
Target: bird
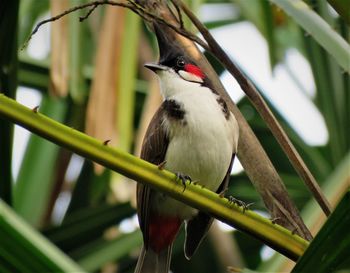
<point>192,134</point>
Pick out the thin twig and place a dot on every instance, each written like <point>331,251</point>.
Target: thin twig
<point>93,4</point>
<point>139,10</point>
<point>82,18</point>
<point>263,110</point>
<point>182,31</point>
<point>178,10</point>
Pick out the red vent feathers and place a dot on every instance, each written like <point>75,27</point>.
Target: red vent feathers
<point>162,231</point>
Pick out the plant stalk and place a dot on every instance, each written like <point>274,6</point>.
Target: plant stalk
<point>277,237</point>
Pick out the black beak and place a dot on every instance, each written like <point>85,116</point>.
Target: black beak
<point>155,67</point>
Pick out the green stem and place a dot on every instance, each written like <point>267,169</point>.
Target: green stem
<point>249,222</point>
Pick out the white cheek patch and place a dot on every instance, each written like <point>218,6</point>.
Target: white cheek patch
<point>189,76</point>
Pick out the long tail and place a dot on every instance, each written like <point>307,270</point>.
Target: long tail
<point>152,262</point>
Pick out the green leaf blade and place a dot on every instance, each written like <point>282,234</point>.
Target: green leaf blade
<point>35,179</point>
<point>314,25</point>
<point>38,254</point>
<point>335,232</point>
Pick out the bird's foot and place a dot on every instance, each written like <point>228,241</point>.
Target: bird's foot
<point>183,178</point>
<point>239,203</point>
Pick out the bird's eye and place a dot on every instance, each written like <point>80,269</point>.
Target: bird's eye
<point>180,62</point>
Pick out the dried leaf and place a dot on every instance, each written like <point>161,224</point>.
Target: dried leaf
<point>101,110</point>
<point>59,74</point>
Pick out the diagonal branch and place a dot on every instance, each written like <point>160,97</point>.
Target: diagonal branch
<point>263,110</point>
<point>275,236</point>
<point>253,158</point>
<point>219,53</point>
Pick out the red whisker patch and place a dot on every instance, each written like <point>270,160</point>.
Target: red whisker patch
<point>195,70</point>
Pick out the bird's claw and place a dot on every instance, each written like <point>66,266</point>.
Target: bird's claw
<point>239,203</point>
<point>183,178</point>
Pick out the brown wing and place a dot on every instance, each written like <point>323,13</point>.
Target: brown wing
<point>154,147</point>
<point>198,226</point>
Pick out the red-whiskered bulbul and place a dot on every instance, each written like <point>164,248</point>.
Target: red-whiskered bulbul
<point>192,133</point>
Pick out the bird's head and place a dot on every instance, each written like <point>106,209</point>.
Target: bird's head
<point>173,62</point>
<point>179,67</point>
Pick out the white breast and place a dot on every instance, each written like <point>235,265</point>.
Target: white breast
<point>201,146</point>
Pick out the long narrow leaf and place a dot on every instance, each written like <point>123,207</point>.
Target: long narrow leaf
<point>8,85</point>
<point>35,178</point>
<point>76,61</point>
<point>269,30</point>
<point>86,225</point>
<point>326,97</point>
<point>101,253</point>
<point>126,80</point>
<point>38,254</point>
<point>335,185</point>
<point>314,25</point>
<point>335,232</point>
<point>33,73</point>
